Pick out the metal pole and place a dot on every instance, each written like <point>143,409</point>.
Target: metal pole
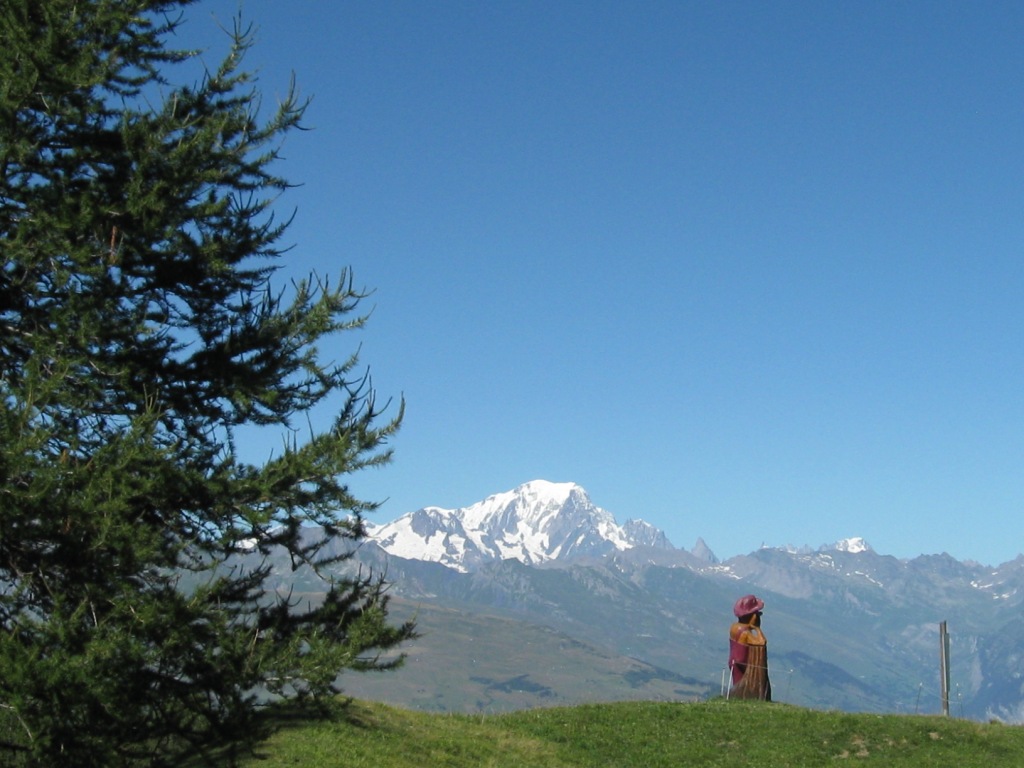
<point>944,666</point>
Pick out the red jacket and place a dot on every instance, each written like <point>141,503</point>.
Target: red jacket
<point>741,637</point>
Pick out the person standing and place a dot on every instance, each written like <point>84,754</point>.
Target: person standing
<point>748,652</point>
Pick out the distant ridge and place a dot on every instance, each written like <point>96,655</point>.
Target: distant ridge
<point>537,522</point>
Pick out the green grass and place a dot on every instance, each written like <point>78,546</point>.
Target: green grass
<point>730,734</point>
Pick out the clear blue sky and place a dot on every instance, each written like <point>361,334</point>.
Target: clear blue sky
<point>749,271</point>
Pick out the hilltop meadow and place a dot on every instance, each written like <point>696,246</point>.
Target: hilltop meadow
<point>730,734</point>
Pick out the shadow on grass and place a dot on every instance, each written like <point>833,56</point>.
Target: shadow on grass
<point>271,719</point>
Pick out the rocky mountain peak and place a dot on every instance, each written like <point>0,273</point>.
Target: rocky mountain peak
<point>703,552</point>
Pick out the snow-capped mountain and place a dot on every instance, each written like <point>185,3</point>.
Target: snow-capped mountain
<point>853,545</point>
<point>535,523</point>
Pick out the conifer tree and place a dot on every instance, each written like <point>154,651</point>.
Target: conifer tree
<point>141,337</point>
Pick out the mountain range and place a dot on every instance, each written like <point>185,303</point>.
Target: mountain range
<point>536,596</point>
<point>539,522</point>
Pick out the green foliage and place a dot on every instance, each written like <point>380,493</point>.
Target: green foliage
<point>713,734</point>
<point>139,336</point>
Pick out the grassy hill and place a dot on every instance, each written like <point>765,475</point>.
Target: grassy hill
<point>730,734</point>
<point>466,662</point>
